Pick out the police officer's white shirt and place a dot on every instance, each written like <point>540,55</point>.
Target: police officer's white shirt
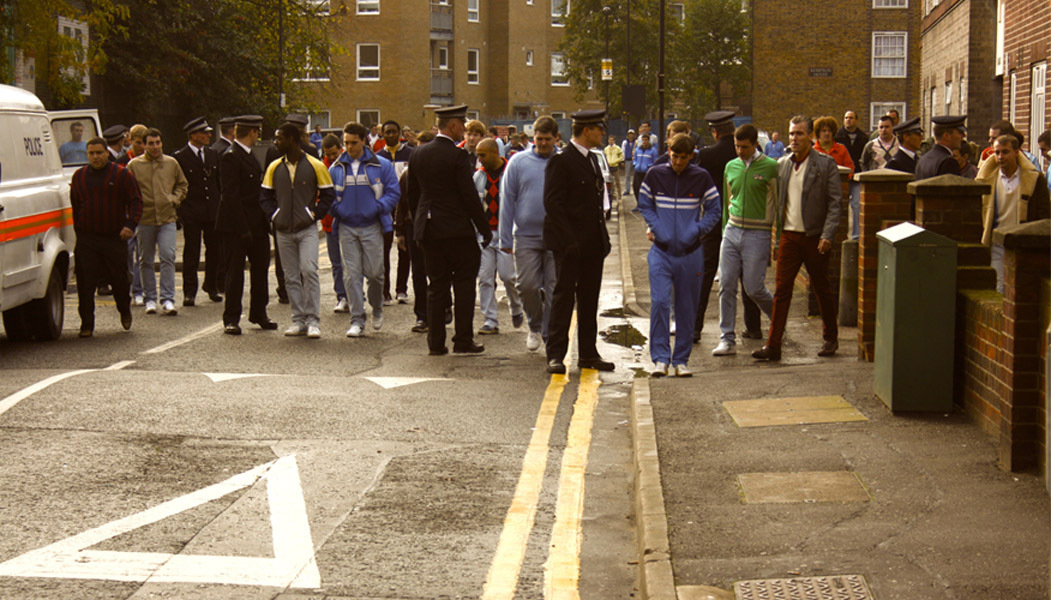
<point>1007,197</point>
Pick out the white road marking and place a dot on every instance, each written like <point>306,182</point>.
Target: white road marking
<point>293,564</point>
<point>221,377</point>
<point>185,339</point>
<point>9,402</point>
<point>393,382</point>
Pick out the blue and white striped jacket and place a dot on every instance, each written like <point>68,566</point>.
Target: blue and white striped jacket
<point>679,208</point>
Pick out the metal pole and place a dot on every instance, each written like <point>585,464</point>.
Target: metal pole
<point>606,10</point>
<point>627,73</point>
<point>280,54</point>
<point>660,84</point>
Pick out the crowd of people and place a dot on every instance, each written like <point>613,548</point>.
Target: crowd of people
<point>464,205</point>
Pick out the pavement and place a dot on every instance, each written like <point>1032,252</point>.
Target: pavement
<point>764,480</point>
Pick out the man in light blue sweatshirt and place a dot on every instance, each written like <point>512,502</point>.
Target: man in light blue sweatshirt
<point>522,228</point>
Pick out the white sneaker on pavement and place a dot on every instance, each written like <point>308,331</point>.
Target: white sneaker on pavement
<point>682,371</point>
<point>724,349</point>
<point>168,308</point>
<point>313,332</point>
<point>533,341</point>
<point>659,369</point>
<point>137,300</point>
<point>356,330</point>
<point>342,306</point>
<point>294,330</point>
<point>151,307</point>
<point>403,298</point>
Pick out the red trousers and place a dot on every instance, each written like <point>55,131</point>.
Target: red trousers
<point>796,250</point>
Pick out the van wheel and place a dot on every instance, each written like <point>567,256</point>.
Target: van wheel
<point>16,325</point>
<point>46,314</point>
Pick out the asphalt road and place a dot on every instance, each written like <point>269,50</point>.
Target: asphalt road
<point>175,461</point>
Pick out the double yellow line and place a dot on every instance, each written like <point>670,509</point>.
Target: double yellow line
<point>562,569</point>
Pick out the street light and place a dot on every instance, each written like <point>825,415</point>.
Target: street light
<point>606,11</point>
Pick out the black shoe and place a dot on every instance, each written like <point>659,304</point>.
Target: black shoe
<point>472,349</point>
<point>596,363</point>
<point>232,329</point>
<point>188,302</point>
<point>264,323</point>
<point>105,290</point>
<point>767,353</point>
<point>439,351</point>
<point>750,334</point>
<point>282,297</point>
<point>215,296</point>
<point>125,320</point>
<point>696,337</point>
<point>828,348</point>
<point>556,366</point>
<point>85,333</point>
<point>448,316</point>
<point>420,326</point>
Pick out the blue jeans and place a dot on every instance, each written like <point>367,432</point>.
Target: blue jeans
<point>535,269</point>
<point>855,209</point>
<point>157,239</point>
<point>362,253</point>
<point>335,257</point>
<point>495,262</point>
<point>744,255</point>
<point>133,265</point>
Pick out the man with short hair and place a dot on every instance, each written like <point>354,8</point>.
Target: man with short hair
<point>1001,127</point>
<point>643,157</point>
<point>680,203</point>
<point>522,228</point>
<point>1019,195</point>
<point>114,136</point>
<point>163,186</point>
<point>808,212</point>
<point>244,227</point>
<point>474,133</point>
<point>910,134</point>
<point>645,131</point>
<point>948,133</point>
<point>75,151</point>
<point>272,153</point>
<point>200,165</point>
<point>494,134</point>
<point>398,154</point>
<point>366,193</point>
<point>106,205</point>
<point>226,135</point>
<point>331,148</point>
<point>855,140</point>
<point>775,148</point>
<point>136,137</point>
<point>750,182</point>
<point>963,158</point>
<point>614,158</point>
<point>493,261</point>
<point>317,137</point>
<point>444,201</point>
<point>575,233</point>
<point>878,151</point>
<point>628,146</point>
<point>296,194</point>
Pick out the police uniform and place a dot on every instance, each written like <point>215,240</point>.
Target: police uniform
<point>575,233</point>
<point>197,214</point>
<point>902,161</point>
<point>939,160</point>
<point>112,135</point>
<point>222,144</point>
<point>448,217</point>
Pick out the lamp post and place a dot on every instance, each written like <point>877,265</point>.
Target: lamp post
<point>660,83</point>
<point>606,12</point>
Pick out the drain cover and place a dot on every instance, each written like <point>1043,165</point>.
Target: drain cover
<point>835,587</point>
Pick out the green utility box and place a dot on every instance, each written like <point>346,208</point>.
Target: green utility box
<point>915,319</point>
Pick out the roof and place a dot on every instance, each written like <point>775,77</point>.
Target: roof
<point>18,99</point>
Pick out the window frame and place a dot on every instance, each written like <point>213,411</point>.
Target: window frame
<point>558,19</point>
<point>886,4</point>
<point>1037,103</point>
<point>308,72</point>
<point>358,8</point>
<point>562,72</point>
<point>360,111</point>
<point>904,35</point>
<point>477,66</point>
<point>76,27</point>
<point>878,109</point>
<point>476,10</point>
<point>529,58</point>
<point>443,58</point>
<point>358,65</point>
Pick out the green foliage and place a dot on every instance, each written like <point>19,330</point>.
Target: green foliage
<point>716,49</point>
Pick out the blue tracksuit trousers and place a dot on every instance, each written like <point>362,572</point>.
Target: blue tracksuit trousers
<point>683,274</point>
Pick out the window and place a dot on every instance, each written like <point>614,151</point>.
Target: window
<point>443,57</point>
<point>474,115</point>
<point>878,109</point>
<point>322,118</point>
<point>368,117</point>
<point>77,30</point>
<point>472,11</point>
<point>1000,58</point>
<point>368,62</point>
<point>368,7</point>
<point>472,66</point>
<point>888,54</point>
<point>558,70</point>
<point>63,130</point>
<point>315,67</point>
<point>1037,106</point>
<point>529,58</point>
<point>559,12</point>
<point>558,114</point>
<point>948,96</point>
<point>321,7</point>
<point>890,3</point>
<point>677,11</point>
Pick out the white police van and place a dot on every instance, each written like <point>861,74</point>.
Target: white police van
<point>36,221</point>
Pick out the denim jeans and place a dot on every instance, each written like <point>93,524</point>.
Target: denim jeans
<point>535,268</point>
<point>996,261</point>
<point>497,262</point>
<point>299,251</point>
<point>362,253</point>
<point>335,257</point>
<point>855,209</point>
<point>744,255</point>
<point>157,239</point>
<point>133,265</point>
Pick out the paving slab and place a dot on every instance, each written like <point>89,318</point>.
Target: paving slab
<point>781,488</point>
<point>792,411</point>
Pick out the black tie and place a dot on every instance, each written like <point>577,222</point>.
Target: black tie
<point>594,163</point>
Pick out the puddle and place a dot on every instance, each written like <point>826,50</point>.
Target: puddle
<point>640,372</point>
<point>613,312</point>
<point>623,335</point>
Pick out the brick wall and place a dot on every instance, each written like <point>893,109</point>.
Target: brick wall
<point>978,365</point>
<point>1027,40</point>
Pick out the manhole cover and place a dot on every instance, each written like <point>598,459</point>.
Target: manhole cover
<point>835,587</point>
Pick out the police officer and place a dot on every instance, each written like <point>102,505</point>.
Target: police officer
<point>948,135</point>
<point>910,136</point>
<point>197,212</point>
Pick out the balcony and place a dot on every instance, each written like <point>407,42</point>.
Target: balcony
<point>441,86</point>
<point>441,22</point>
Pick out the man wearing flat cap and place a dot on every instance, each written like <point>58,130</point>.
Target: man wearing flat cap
<point>197,212</point>
<point>948,135</point>
<point>575,233</point>
<point>714,159</point>
<point>243,227</point>
<point>114,136</point>
<point>910,137</point>
<point>442,196</point>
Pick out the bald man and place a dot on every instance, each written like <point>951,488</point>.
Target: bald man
<point>494,262</point>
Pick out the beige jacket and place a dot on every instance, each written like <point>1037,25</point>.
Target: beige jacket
<point>163,186</point>
<point>989,172</point>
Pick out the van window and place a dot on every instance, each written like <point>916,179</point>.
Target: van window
<point>27,150</point>
<point>72,135</point>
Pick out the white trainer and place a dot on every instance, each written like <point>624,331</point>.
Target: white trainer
<point>682,371</point>
<point>724,348</point>
<point>356,330</point>
<point>294,330</point>
<point>151,307</point>
<point>137,300</point>
<point>342,306</point>
<point>168,308</point>
<point>313,332</point>
<point>659,369</point>
<point>533,341</point>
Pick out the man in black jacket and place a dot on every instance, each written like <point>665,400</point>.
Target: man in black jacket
<point>243,227</point>
<point>575,232</point>
<point>197,212</point>
<point>910,136</point>
<point>448,218</point>
<point>226,135</point>
<point>948,135</point>
<point>855,139</point>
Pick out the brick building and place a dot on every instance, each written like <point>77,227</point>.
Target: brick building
<point>823,58</point>
<point>958,64</point>
<point>1024,36</point>
<point>498,57</point>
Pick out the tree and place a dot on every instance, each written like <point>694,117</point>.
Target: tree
<point>714,49</point>
<point>31,27</point>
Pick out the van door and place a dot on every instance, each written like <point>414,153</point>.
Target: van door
<point>72,129</point>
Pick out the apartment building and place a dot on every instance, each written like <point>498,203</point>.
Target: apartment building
<point>1024,47</point>
<point>815,57</point>
<point>407,57</point>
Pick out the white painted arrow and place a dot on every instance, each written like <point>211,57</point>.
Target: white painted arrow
<point>293,564</point>
<point>393,382</point>
<point>220,377</point>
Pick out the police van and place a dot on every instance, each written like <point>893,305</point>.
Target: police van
<point>36,221</point>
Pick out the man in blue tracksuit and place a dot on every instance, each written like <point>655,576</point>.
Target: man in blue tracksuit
<point>366,193</point>
<point>680,203</point>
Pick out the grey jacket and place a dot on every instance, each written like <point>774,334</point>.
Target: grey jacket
<point>822,194</point>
